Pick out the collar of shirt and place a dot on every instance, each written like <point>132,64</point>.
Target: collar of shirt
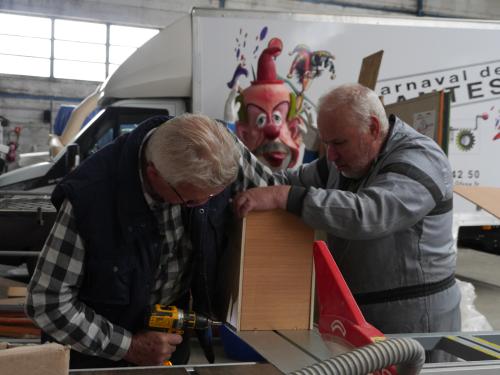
<point>152,203</point>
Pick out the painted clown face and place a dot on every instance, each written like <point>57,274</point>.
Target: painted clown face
<point>266,131</point>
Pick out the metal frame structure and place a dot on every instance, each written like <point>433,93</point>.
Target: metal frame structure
<point>477,352</point>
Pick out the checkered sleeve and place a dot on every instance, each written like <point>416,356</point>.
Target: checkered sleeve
<point>252,172</point>
<point>52,301</point>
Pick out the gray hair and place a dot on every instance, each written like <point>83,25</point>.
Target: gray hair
<point>194,149</point>
<point>361,102</point>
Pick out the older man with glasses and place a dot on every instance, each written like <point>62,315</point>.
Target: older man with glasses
<point>140,222</point>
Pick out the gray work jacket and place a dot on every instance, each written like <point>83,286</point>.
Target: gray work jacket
<point>392,228</point>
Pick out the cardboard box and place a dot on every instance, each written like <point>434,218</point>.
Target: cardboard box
<point>46,359</point>
<point>428,114</point>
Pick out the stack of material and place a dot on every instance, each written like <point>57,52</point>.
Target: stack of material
<point>13,321</point>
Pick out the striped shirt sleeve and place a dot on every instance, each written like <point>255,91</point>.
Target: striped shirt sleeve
<point>253,173</point>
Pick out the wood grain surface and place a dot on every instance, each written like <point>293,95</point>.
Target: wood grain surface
<point>277,272</point>
<point>488,198</point>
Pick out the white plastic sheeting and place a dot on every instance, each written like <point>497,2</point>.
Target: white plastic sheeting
<point>472,319</point>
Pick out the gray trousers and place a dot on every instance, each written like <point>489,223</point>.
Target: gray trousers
<point>438,312</point>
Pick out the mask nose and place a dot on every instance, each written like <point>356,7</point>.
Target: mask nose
<point>272,131</point>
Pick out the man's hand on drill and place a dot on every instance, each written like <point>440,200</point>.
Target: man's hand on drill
<point>150,348</point>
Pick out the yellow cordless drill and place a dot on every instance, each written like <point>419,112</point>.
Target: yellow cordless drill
<point>170,319</point>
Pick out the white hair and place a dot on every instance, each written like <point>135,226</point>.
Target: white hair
<point>194,149</point>
<point>361,103</point>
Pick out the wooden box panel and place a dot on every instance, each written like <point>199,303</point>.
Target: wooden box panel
<point>272,287</point>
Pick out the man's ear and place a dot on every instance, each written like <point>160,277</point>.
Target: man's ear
<point>151,172</point>
<point>374,127</point>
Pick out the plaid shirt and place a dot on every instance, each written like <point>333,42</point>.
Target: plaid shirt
<point>52,300</point>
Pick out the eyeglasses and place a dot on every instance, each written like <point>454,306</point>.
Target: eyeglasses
<point>190,202</point>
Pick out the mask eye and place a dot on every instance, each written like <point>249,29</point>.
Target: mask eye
<point>261,120</point>
<point>277,117</point>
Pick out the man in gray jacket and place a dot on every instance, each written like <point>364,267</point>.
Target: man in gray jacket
<point>383,193</point>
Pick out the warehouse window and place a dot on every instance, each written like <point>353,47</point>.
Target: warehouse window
<point>45,47</point>
<point>123,41</point>
<point>25,50</point>
<point>79,50</point>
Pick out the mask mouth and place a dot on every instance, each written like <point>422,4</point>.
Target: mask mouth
<point>496,137</point>
<point>274,153</point>
<point>275,158</point>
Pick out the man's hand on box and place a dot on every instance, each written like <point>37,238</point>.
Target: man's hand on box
<point>261,199</point>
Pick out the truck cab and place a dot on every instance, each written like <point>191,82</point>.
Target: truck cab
<point>26,213</point>
<point>109,123</point>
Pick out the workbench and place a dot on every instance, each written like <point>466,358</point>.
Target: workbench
<point>292,350</point>
<point>287,351</point>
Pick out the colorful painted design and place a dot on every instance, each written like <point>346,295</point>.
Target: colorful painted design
<point>267,122</point>
<point>272,117</point>
<point>465,140</point>
<point>308,65</point>
<point>497,127</point>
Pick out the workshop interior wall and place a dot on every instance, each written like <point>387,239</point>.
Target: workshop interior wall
<point>23,100</point>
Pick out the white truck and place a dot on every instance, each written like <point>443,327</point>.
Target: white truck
<point>190,65</point>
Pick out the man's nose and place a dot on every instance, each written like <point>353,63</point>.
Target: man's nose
<point>332,154</point>
<point>272,131</point>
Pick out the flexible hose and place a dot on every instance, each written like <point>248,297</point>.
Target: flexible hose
<point>407,353</point>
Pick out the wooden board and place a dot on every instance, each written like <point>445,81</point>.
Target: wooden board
<point>4,282</point>
<point>12,304</point>
<point>228,297</point>
<point>488,198</point>
<point>426,114</point>
<point>276,282</point>
<point>16,291</point>
<point>370,66</point>
<point>11,288</point>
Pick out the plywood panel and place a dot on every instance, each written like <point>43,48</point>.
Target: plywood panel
<point>11,288</point>
<point>488,198</point>
<point>228,298</point>
<point>370,66</point>
<point>277,272</point>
